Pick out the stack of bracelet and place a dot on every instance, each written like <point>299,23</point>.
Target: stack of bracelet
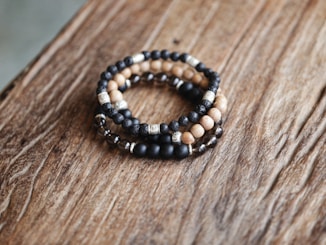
<point>202,125</point>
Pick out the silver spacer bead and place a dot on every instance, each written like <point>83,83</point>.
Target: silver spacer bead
<point>209,95</point>
<point>154,129</point>
<point>103,98</point>
<point>121,105</point>
<point>132,146</point>
<point>128,83</point>
<point>179,84</point>
<point>137,58</point>
<point>192,61</point>
<point>176,137</point>
<point>190,150</point>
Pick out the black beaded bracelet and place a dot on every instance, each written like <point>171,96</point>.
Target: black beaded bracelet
<point>121,115</point>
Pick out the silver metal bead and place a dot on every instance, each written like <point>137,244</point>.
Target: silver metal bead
<point>124,145</point>
<point>179,84</point>
<point>211,142</point>
<point>128,83</point>
<point>103,131</point>
<point>100,120</point>
<point>219,132</point>
<point>154,129</point>
<point>132,146</point>
<point>176,137</point>
<point>103,98</point>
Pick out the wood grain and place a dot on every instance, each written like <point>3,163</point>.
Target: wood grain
<point>265,182</point>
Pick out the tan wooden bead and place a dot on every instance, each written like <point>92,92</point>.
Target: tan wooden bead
<point>120,79</point>
<point>188,74</point>
<point>156,65</point>
<point>112,85</point>
<point>116,96</point>
<point>126,72</point>
<point>197,78</point>
<point>215,114</point>
<point>177,70</point>
<point>204,83</point>
<point>144,66</point>
<point>197,130</point>
<point>135,68</point>
<point>167,66</point>
<point>221,103</point>
<point>187,138</point>
<point>207,122</point>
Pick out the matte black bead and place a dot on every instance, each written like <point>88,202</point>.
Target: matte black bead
<point>153,150</point>
<point>173,81</point>
<point>183,57</point>
<point>183,120</point>
<point>212,88</point>
<point>102,83</point>
<point>155,54</point>
<point>166,151</point>
<point>128,61</point>
<point>120,65</point>
<point>193,116</point>
<point>153,138</point>
<point>127,123</point>
<point>126,113</point>
<point>195,95</point>
<point>165,54</point>
<point>112,139</point>
<point>164,128</point>
<point>135,120</point>
<point>174,126</point>
<point>106,75</point>
<point>174,56</point>
<point>200,109</point>
<point>112,69</point>
<point>219,132</point>
<point>100,90</point>
<point>161,77</point>
<point>143,129</point>
<point>111,112</point>
<point>118,118</point>
<point>185,88</point>
<point>200,67</point>
<point>134,78</point>
<point>207,104</point>
<point>181,151</point>
<point>134,129</point>
<point>214,76</point>
<point>147,77</point>
<point>106,106</point>
<point>147,55</point>
<point>140,150</point>
<point>123,88</point>
<point>165,139</point>
<point>207,72</point>
<point>99,110</point>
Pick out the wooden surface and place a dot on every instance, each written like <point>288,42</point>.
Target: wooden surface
<point>264,183</point>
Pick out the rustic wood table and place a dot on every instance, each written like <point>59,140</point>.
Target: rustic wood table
<point>264,183</point>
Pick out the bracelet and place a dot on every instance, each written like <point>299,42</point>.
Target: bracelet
<point>164,139</point>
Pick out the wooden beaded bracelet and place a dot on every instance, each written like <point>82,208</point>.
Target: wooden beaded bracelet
<point>119,118</point>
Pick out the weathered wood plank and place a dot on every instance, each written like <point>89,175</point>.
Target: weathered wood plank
<point>265,182</point>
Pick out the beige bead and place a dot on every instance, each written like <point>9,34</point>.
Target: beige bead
<point>126,72</point>
<point>112,85</point>
<point>207,122</point>
<point>215,114</point>
<point>221,103</point>
<point>116,96</point>
<point>188,74</point>
<point>187,138</point>
<point>197,130</point>
<point>197,78</point>
<point>135,68</point>
<point>177,71</point>
<point>204,83</point>
<point>219,91</point>
<point>167,66</point>
<point>156,65</point>
<point>120,79</point>
<point>144,66</point>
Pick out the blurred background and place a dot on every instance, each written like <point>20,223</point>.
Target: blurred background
<point>26,26</point>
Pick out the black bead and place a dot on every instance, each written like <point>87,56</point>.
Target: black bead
<point>147,55</point>
<point>126,123</point>
<point>106,75</point>
<point>126,113</point>
<point>113,139</point>
<point>153,138</point>
<point>181,151</point>
<point>135,121</point>
<point>134,78</point>
<point>174,126</point>
<point>200,67</point>
<point>155,54</point>
<point>211,142</point>
<point>219,132</point>
<point>207,104</point>
<point>118,118</point>
<point>100,90</point>
<point>183,57</point>
<point>166,151</point>
<point>174,56</point>
<point>165,54</point>
<point>143,129</point>
<point>183,120</point>
<point>185,88</point>
<point>173,81</point>
<point>164,128</point>
<point>214,76</point>
<point>134,129</point>
<point>161,77</point>
<point>195,95</point>
<point>120,65</point>
<point>200,109</point>
<point>111,112</point>
<point>106,106</point>
<point>147,77</point>
<point>202,148</point>
<point>193,116</point>
<point>102,83</point>
<point>140,150</point>
<point>128,61</point>
<point>207,72</point>
<point>99,110</point>
<point>212,88</point>
<point>165,139</point>
<point>123,88</point>
<point>112,69</point>
<point>153,150</point>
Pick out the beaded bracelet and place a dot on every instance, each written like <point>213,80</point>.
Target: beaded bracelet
<point>121,115</point>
